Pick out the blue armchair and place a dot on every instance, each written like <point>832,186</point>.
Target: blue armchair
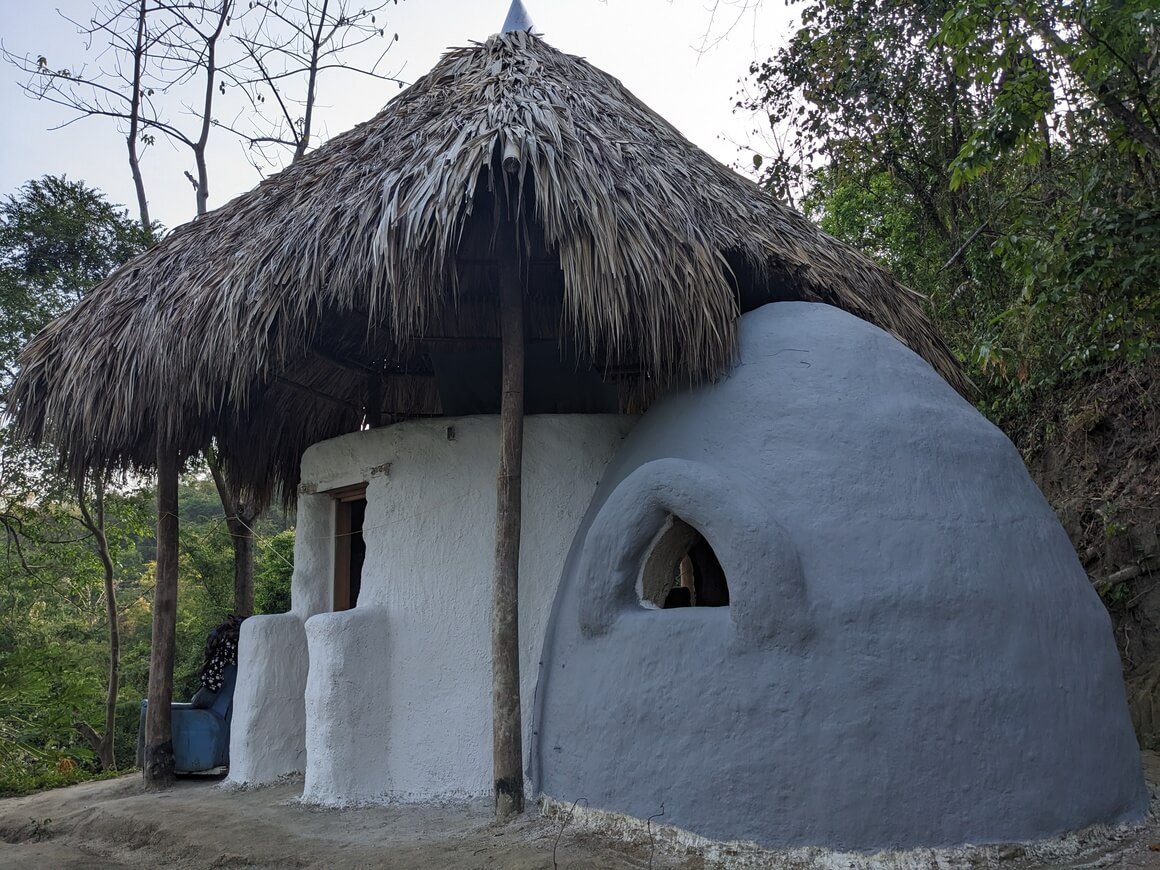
<point>201,735</point>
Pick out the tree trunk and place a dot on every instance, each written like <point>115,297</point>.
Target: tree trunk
<point>135,118</point>
<point>311,85</point>
<point>103,744</point>
<point>507,745</point>
<point>209,61</point>
<point>105,751</point>
<point>243,539</point>
<point>240,519</point>
<point>159,760</point>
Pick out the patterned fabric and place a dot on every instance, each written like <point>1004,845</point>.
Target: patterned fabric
<point>221,651</point>
<point>225,653</point>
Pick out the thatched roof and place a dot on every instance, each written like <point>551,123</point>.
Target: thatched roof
<point>259,324</point>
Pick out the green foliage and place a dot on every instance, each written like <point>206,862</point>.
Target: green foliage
<point>274,572</point>
<point>1097,56</point>
<point>53,654</point>
<point>57,239</point>
<point>1000,157</point>
<point>35,775</point>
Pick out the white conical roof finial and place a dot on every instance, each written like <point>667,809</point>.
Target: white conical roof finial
<point>517,18</point>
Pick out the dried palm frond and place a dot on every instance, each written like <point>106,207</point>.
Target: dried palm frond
<point>642,251</point>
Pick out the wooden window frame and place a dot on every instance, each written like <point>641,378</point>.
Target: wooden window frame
<point>343,497</point>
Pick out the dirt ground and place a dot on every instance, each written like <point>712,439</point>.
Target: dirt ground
<point>198,824</point>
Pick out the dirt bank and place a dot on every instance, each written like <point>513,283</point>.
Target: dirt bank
<point>1094,450</point>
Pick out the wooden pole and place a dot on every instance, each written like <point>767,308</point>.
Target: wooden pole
<point>159,761</point>
<point>507,743</point>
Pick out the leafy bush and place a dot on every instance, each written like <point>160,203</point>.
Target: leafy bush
<point>275,570</point>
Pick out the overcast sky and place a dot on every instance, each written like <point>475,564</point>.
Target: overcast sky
<point>650,45</point>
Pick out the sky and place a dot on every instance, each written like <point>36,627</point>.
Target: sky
<point>683,60</point>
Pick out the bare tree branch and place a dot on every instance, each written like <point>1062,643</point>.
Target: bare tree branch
<point>294,41</point>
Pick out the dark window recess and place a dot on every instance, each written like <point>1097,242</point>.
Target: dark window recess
<point>681,570</point>
<point>350,549</point>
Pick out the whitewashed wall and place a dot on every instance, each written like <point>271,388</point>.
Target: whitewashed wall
<point>418,658</point>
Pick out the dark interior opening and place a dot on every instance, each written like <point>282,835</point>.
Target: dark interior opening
<point>708,585</point>
<point>350,549</point>
<point>358,547</point>
<point>681,570</point>
<point>556,381</point>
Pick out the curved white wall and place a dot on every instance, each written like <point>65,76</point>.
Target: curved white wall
<point>268,727</point>
<point>429,532</point>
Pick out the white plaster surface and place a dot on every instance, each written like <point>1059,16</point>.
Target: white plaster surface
<point>268,728</point>
<point>312,586</point>
<point>421,663</point>
<point>347,729</point>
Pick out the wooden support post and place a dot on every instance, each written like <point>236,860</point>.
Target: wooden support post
<point>159,761</point>
<point>507,742</point>
<point>243,538</point>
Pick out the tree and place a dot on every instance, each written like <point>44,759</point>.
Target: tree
<point>165,49</point>
<point>75,575</point>
<point>293,44</point>
<point>176,60</point>
<point>163,65</point>
<point>1100,55</point>
<point>989,165</point>
<point>60,675</point>
<point>57,239</point>
<point>150,49</point>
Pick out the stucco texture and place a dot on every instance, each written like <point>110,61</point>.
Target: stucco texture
<point>396,704</point>
<point>347,727</point>
<point>912,655</point>
<point>268,727</point>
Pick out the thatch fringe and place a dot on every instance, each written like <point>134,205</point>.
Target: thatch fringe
<point>658,246</point>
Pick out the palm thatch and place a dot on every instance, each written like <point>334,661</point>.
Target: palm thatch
<point>281,318</point>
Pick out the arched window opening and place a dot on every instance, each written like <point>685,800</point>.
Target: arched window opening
<point>681,570</point>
